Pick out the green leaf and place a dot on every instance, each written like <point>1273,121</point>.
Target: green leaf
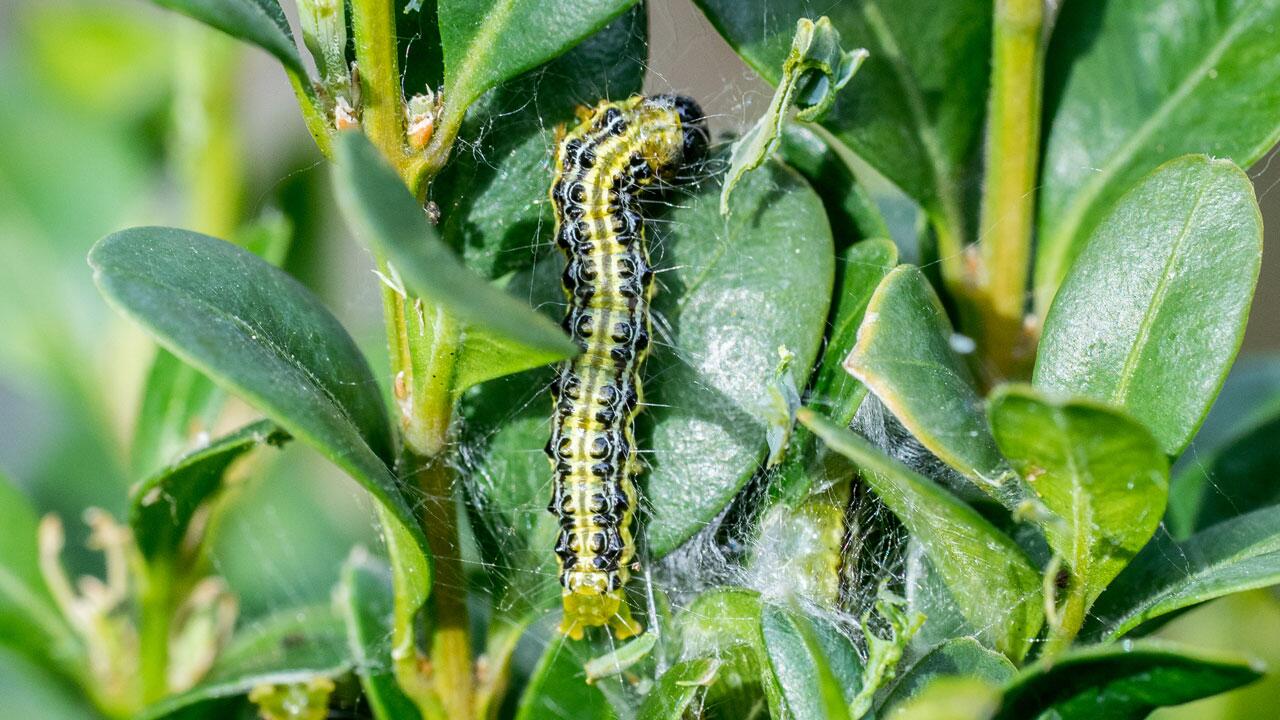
<point>997,588</point>
<point>738,289</point>
<point>678,688</point>
<point>260,22</point>
<point>292,646</point>
<point>1099,472</point>
<point>914,111</point>
<point>503,335</point>
<point>162,505</point>
<point>179,404</point>
<point>487,43</point>
<point>1125,681</point>
<point>1129,87</point>
<point>1236,478</point>
<point>809,689</point>
<point>507,485</point>
<point>30,622</point>
<point>904,355</point>
<point>1154,309</point>
<point>724,623</point>
<point>366,601</point>
<point>950,698</point>
<point>958,657</point>
<point>1235,555</point>
<point>559,686</point>
<point>860,271</point>
<point>494,198</point>
<point>816,68</point>
<point>257,332</point>
<point>850,208</point>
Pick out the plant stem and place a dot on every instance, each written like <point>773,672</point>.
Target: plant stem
<point>155,612</point>
<point>450,652</point>
<point>424,343</point>
<point>1008,191</point>
<point>382,108</point>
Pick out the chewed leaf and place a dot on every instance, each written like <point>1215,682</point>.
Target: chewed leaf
<point>816,68</point>
<point>163,504</point>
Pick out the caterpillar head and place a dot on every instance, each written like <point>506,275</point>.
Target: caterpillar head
<point>693,125</point>
<point>589,606</point>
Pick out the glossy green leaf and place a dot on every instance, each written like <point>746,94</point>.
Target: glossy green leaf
<point>365,599</point>
<point>291,646</point>
<point>260,22</point>
<point>1235,555</point>
<point>1236,478</point>
<point>558,688</point>
<point>995,585</point>
<point>493,199</point>
<point>180,404</point>
<point>487,43</point>
<point>850,208</point>
<point>809,688</point>
<point>503,335</point>
<point>914,111</point>
<point>959,657</point>
<point>162,505</point>
<point>30,622</point>
<point>1099,472</point>
<point>1154,309</point>
<point>678,689</point>
<point>738,289</point>
<point>1124,681</point>
<point>257,332</point>
<point>904,355</point>
<point>1132,84</point>
<point>815,69</point>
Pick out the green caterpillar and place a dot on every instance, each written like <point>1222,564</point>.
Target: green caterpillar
<point>602,165</point>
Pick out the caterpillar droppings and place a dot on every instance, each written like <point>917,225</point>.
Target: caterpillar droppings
<point>616,151</point>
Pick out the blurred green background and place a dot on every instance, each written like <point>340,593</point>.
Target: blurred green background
<point>115,114</point>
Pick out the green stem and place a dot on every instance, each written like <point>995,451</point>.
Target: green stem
<point>1009,186</point>
<point>382,108</point>
<point>155,613</point>
<point>450,653</point>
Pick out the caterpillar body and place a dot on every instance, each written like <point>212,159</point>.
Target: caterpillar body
<point>617,150</point>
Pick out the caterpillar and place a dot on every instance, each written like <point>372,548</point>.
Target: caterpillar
<point>602,165</point>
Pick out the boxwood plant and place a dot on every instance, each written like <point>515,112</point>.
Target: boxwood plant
<point>926,490</point>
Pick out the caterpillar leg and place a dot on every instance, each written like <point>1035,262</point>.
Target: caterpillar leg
<point>588,607</point>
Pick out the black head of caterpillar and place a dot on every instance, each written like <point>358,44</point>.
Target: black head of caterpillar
<point>602,166</point>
